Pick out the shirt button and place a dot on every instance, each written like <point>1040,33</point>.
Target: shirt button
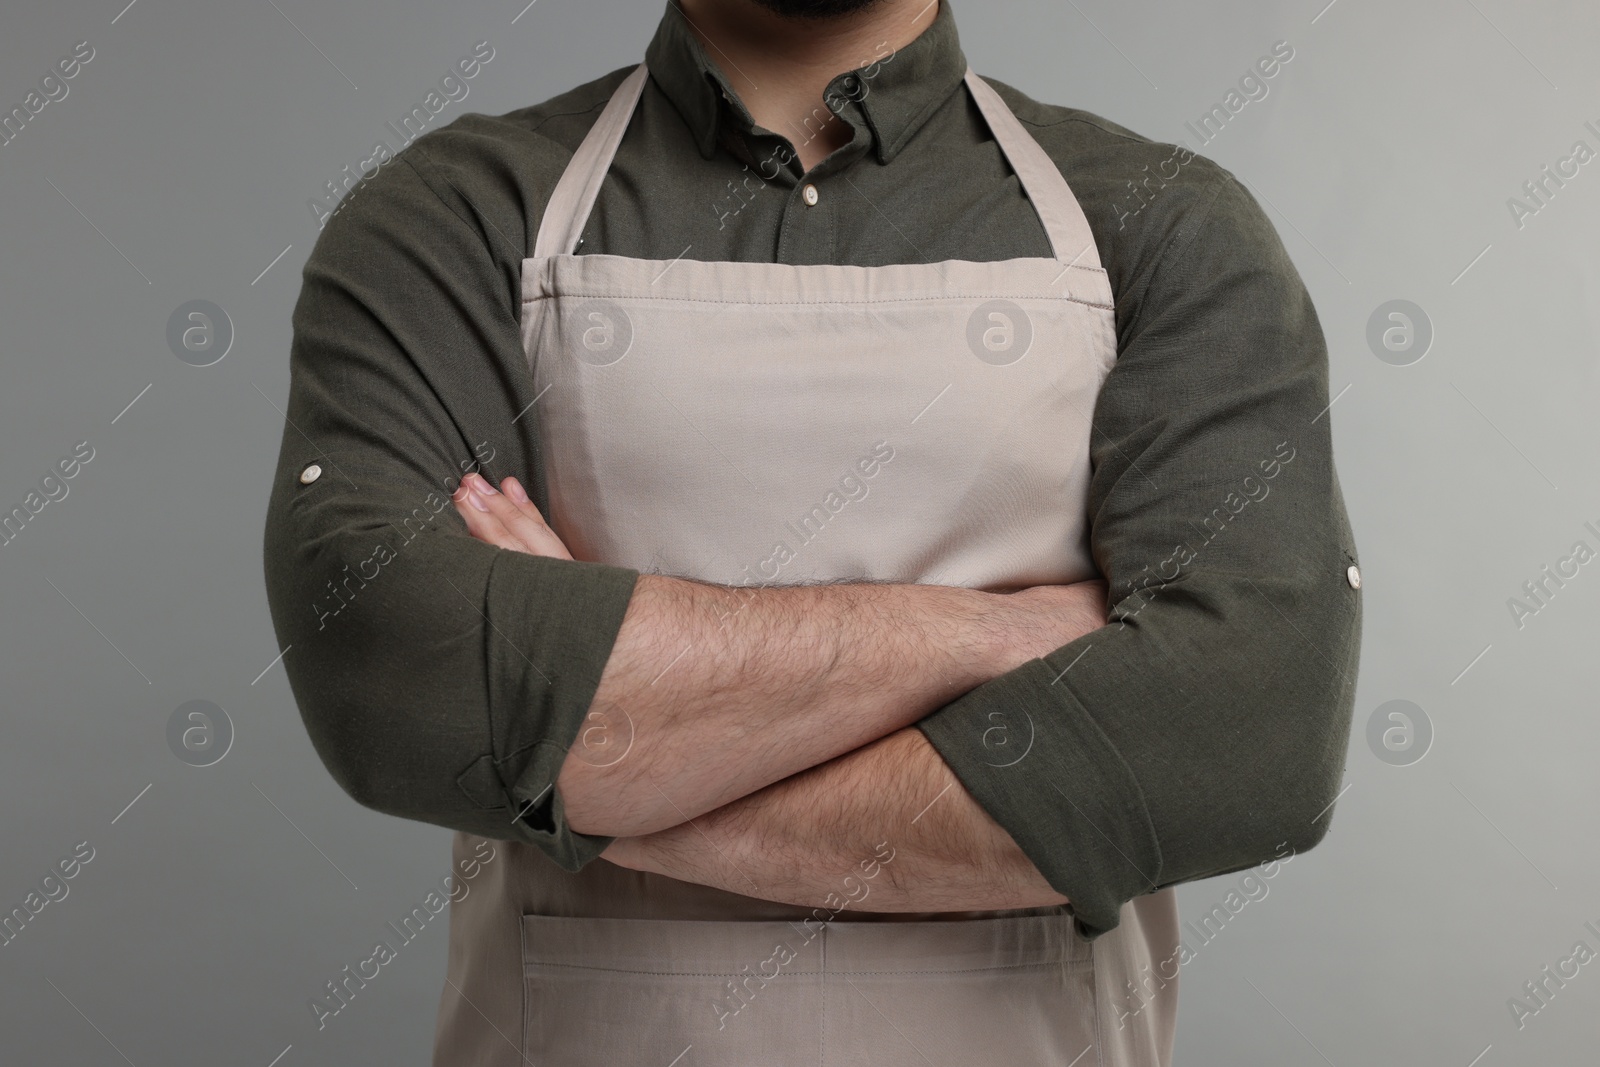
<point>310,474</point>
<point>1353,576</point>
<point>809,195</point>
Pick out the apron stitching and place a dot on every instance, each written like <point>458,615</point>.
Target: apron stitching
<point>1042,260</point>
<point>821,1039</point>
<point>1094,993</point>
<point>527,994</point>
<point>1071,965</point>
<point>579,294</point>
<point>778,263</point>
<point>822,1036</point>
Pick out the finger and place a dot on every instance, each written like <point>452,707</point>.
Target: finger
<point>482,523</point>
<point>549,542</point>
<point>526,525</point>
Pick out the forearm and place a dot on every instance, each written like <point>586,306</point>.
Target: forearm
<point>799,840</point>
<point>713,692</point>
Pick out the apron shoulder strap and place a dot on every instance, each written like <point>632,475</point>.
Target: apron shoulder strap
<point>1059,210</point>
<point>568,209</point>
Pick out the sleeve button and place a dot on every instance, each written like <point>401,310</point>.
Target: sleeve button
<point>1353,576</point>
<point>313,472</point>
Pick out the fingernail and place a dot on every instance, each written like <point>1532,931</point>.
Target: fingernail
<point>515,491</point>
<point>485,486</point>
<point>476,499</point>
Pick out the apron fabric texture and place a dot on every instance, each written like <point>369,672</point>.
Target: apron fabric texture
<point>767,423</point>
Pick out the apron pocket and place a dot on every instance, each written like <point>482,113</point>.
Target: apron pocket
<point>613,992</point>
<point>603,992</point>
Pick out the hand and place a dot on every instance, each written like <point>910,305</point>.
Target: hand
<point>506,518</point>
<point>1042,618</point>
<point>625,852</point>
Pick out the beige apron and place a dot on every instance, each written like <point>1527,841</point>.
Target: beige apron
<point>763,423</point>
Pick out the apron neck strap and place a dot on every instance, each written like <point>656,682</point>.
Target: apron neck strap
<point>1058,209</point>
<point>574,196</point>
<point>567,212</point>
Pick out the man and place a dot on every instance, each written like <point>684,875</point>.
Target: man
<point>944,554</point>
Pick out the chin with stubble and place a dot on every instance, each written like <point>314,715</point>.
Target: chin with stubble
<point>816,9</point>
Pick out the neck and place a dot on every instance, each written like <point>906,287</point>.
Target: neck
<point>780,67</point>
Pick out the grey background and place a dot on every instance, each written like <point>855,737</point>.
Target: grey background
<point>179,166</point>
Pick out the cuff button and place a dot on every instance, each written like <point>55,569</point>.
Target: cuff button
<point>1353,576</point>
<point>313,472</point>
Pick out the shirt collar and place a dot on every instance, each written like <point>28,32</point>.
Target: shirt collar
<point>891,96</point>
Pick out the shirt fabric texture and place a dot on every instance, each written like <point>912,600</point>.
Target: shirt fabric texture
<point>1199,733</point>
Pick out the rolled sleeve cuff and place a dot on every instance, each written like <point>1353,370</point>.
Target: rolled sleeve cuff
<point>1036,761</point>
<point>550,628</point>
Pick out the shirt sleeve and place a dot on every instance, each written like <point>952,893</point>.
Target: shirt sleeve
<point>1204,729</point>
<point>440,678</point>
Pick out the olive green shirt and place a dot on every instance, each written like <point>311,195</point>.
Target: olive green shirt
<point>443,679</point>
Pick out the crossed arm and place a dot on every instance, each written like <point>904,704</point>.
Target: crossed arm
<point>799,839</point>
<point>761,741</point>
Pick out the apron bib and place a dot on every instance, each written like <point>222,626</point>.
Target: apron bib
<point>765,423</point>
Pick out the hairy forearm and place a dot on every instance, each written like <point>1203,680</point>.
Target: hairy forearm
<point>713,692</point>
<point>804,840</point>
